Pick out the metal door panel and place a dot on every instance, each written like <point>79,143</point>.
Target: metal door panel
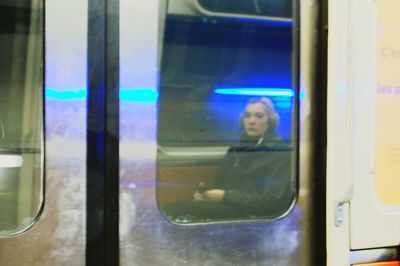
<point>146,238</point>
<point>58,237</point>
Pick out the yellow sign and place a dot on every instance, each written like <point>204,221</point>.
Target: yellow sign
<point>387,145</point>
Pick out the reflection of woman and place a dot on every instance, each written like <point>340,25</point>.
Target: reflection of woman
<point>254,177</point>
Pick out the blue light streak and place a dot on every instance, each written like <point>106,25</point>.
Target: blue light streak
<point>66,94</point>
<point>283,105</point>
<point>131,94</point>
<point>282,92</point>
<point>138,95</point>
<point>271,21</point>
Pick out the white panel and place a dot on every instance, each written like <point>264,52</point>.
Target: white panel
<point>351,153</point>
<point>371,223</point>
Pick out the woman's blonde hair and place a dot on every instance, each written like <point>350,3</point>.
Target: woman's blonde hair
<point>273,117</point>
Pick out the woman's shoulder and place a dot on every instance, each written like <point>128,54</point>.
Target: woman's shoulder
<point>276,142</point>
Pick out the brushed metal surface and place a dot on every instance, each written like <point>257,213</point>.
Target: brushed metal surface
<point>149,239</point>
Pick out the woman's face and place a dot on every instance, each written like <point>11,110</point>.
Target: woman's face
<point>255,120</point>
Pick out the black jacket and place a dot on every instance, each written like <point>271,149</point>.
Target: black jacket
<point>257,177</point>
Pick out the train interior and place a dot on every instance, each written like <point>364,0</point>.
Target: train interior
<point>210,68</point>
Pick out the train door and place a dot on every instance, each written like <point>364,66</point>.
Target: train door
<point>363,167</point>
<point>143,100</point>
<point>182,91</point>
<point>43,107</point>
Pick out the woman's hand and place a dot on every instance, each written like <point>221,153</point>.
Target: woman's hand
<point>214,195</point>
<point>198,196</point>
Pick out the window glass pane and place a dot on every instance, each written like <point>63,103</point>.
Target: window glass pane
<point>226,120</point>
<point>21,112</point>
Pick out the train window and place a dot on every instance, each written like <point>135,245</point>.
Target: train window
<point>226,119</point>
<point>21,112</point>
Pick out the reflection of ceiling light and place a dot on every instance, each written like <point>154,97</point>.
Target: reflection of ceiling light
<point>66,94</point>
<point>10,160</point>
<point>257,91</point>
<point>276,21</point>
<point>137,94</point>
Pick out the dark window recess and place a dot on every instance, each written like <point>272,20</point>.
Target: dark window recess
<point>273,8</point>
